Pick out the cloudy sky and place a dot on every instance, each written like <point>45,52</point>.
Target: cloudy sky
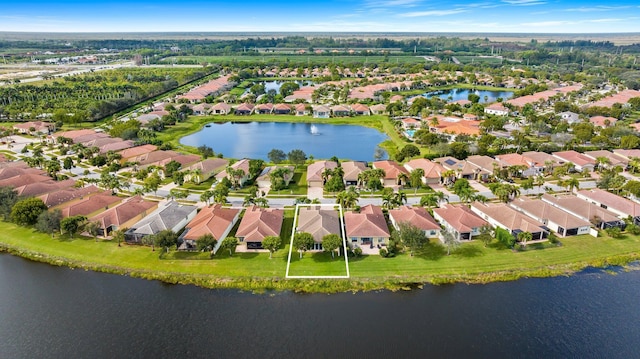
<point>538,16</point>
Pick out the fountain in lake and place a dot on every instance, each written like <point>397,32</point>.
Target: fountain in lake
<point>314,130</point>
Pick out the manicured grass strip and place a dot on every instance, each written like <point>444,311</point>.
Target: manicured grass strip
<point>317,264</point>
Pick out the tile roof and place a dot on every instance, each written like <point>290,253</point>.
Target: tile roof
<point>431,169</point>
<point>579,207</point>
<point>417,216</point>
<point>574,157</point>
<point>546,211</point>
<point>509,217</point>
<point>369,222</point>
<point>56,198</point>
<point>124,212</point>
<point>38,188</point>
<point>165,217</point>
<point>90,204</point>
<point>315,170</point>
<point>258,223</point>
<point>352,169</point>
<point>460,217</point>
<point>137,151</point>
<point>612,201</point>
<point>391,169</point>
<point>318,222</point>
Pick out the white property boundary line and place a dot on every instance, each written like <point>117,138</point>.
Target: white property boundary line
<point>344,245</point>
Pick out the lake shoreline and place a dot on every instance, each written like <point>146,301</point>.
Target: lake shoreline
<point>278,283</point>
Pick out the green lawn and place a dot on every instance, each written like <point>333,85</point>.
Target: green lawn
<point>317,264</point>
<point>471,262</point>
<point>297,186</point>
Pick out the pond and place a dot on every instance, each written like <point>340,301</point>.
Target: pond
<point>256,139</point>
<point>275,85</point>
<point>463,94</point>
<point>54,312</point>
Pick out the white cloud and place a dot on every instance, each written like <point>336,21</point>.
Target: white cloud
<point>524,2</point>
<point>572,22</point>
<point>391,3</point>
<point>432,13</point>
<point>597,8</point>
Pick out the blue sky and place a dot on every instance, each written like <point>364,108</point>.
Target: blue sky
<point>527,16</point>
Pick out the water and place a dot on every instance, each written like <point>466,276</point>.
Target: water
<point>256,139</point>
<point>52,312</point>
<point>275,85</point>
<point>463,94</point>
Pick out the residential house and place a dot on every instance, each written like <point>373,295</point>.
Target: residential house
<point>598,216</point>
<point>220,108</point>
<point>319,222</point>
<point>90,206</point>
<point>321,111</point>
<point>410,123</point>
<point>243,165</point>
<point>244,109</point>
<point>416,216</point>
<point>396,98</point>
<point>301,110</point>
<point>368,227</point>
<point>205,169</point>
<point>432,170</point>
<point>315,172</point>
<point>505,217</point>
<point>556,219</point>
<point>264,178</point>
<point>394,174</point>
<point>379,109</point>
<point>340,111</point>
<point>160,158</point>
<point>281,109</point>
<point>214,220</point>
<point>130,154</point>
<point>202,109</point>
<point>470,117</point>
<point>452,126</point>
<point>619,205</point>
<point>462,168</point>
<point>497,109</point>
<point>352,170</point>
<point>171,215</point>
<point>570,117</point>
<point>258,223</point>
<point>602,121</point>
<point>123,215</point>
<point>72,135</point>
<point>360,109</point>
<point>39,188</point>
<point>541,160</point>
<point>459,220</point>
<point>35,127</point>
<point>264,108</point>
<point>628,155</point>
<point>516,159</point>
<point>612,159</point>
<point>485,164</point>
<point>581,162</point>
<point>56,198</point>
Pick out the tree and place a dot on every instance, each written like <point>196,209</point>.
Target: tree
<point>614,232</point>
<point>220,193</point>
<point>486,234</point>
<point>276,156</point>
<point>449,241</point>
<point>230,244</point>
<point>118,235</point>
<point>8,197</point>
<point>524,237</point>
<point>26,211</point>
<point>330,243</point>
<point>67,163</point>
<point>297,156</point>
<point>93,229</point>
<point>348,198</point>
<point>462,188</point>
<point>72,225</point>
<point>165,239</point>
<point>272,244</point>
<point>206,242</point>
<point>206,196</point>
<point>411,236</point>
<point>152,183</point>
<point>629,141</point>
<point>303,242</point>
<point>572,183</point>
<point>503,236</point>
<point>206,151</point>
<point>171,167</point>
<point>415,179</point>
<point>49,221</point>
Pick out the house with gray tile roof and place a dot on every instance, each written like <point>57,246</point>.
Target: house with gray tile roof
<point>172,215</point>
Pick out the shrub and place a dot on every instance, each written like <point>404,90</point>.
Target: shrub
<point>357,251</point>
<point>383,252</point>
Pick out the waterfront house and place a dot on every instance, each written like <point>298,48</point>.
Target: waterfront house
<point>301,110</point>
<point>281,109</point>
<point>318,221</point>
<point>600,217</point>
<point>352,170</point>
<point>124,215</point>
<point>416,216</point>
<point>321,111</point>
<point>258,223</point>
<point>171,215</point>
<point>459,220</point>
<point>264,108</point>
<point>496,109</point>
<point>220,108</point>
<point>316,170</point>
<point>360,109</point>
<point>340,111</point>
<point>367,227</point>
<point>379,109</point>
<point>244,109</point>
<point>505,217</point>
<point>619,205</point>
<point>556,219</point>
<point>214,220</point>
<point>264,178</point>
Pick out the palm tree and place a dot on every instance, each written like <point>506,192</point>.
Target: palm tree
<point>572,184</point>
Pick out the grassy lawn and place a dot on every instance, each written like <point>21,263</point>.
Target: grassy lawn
<point>470,262</point>
<point>297,186</point>
<point>317,264</point>
<point>202,186</point>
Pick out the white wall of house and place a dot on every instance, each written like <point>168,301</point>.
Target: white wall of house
<point>620,214</point>
<point>374,240</point>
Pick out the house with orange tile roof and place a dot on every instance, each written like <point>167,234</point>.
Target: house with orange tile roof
<point>281,109</point>
<point>264,108</point>
<point>368,227</point>
<point>220,108</point>
<point>123,215</point>
<point>258,223</point>
<point>621,97</point>
<point>459,220</point>
<point>130,154</point>
<point>244,109</point>
<point>602,121</point>
<point>556,219</point>
<point>168,216</point>
<point>35,127</point>
<point>360,109</point>
<point>505,217</point>
<point>432,170</point>
<point>410,123</point>
<point>38,188</point>
<point>89,206</point>
<point>580,161</point>
<point>56,198</point>
<point>243,165</point>
<point>301,110</point>
<point>394,174</point>
<point>416,216</point>
<point>619,205</point>
<point>214,220</point>
<point>453,126</point>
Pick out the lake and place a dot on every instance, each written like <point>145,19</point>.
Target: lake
<point>463,94</point>
<point>54,312</point>
<point>256,139</point>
